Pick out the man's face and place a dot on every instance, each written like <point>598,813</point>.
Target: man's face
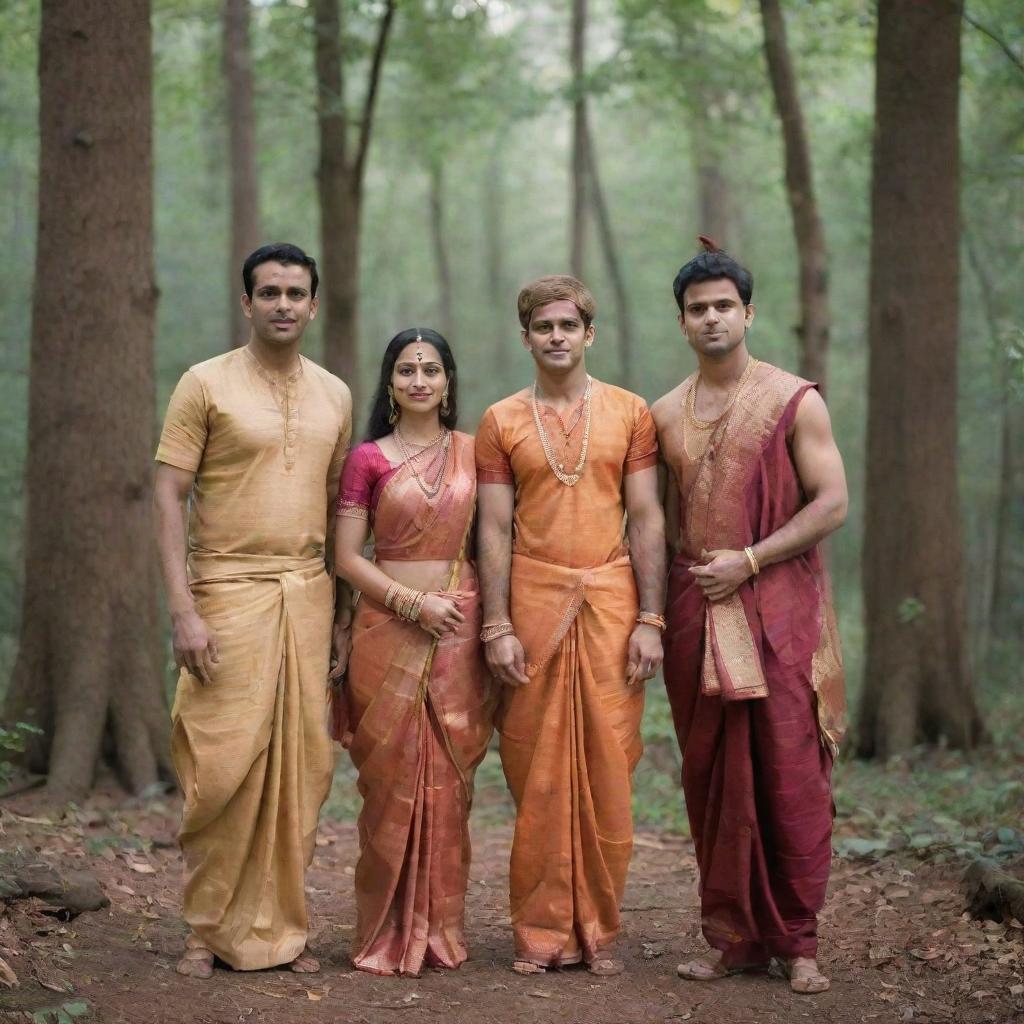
<point>714,318</point>
<point>557,337</point>
<point>281,303</point>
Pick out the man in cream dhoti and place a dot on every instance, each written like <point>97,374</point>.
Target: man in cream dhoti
<point>573,619</point>
<point>256,438</point>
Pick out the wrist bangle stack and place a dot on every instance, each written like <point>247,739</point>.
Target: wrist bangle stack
<point>496,629</point>
<point>651,619</point>
<point>754,567</point>
<point>404,601</point>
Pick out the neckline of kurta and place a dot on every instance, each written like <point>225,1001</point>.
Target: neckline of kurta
<point>272,378</point>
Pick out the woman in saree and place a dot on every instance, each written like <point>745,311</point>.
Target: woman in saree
<point>415,708</point>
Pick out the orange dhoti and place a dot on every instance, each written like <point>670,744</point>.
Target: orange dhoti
<point>570,739</point>
<point>253,754</point>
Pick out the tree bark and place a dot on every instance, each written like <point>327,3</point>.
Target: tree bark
<point>87,668</point>
<point>440,244</point>
<point>340,175</point>
<point>714,208</point>
<point>624,313</point>
<point>815,319</point>
<point>917,685</point>
<point>245,197</point>
<point>578,184</point>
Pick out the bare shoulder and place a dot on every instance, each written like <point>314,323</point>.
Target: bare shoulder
<point>812,414</point>
<point>665,408</point>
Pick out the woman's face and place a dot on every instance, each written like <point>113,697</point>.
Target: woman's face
<point>418,378</point>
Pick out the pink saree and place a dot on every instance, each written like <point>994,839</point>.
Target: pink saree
<point>756,688</point>
<point>416,714</point>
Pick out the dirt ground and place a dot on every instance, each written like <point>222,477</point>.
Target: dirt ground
<point>893,940</point>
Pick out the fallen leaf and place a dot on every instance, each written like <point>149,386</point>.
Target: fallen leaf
<point>541,995</point>
<point>53,985</point>
<point>314,996</point>
<point>930,953</point>
<point>982,994</point>
<point>1017,990</point>
<point>141,867</point>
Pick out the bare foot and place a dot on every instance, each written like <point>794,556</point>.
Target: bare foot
<point>606,967</point>
<point>804,976</point>
<point>305,963</point>
<point>527,967</point>
<point>197,961</point>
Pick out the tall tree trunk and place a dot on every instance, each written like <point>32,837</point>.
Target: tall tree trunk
<point>87,668</point>
<point>917,686</point>
<point>815,319</point>
<point>440,244</point>
<point>578,184</point>
<point>245,196</point>
<point>611,256</point>
<point>494,243</point>
<point>714,208</point>
<point>340,175</point>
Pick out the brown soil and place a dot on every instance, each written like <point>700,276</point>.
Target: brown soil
<point>894,942</point>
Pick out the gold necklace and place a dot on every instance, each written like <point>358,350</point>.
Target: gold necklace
<point>701,430</point>
<point>445,440</point>
<point>558,468</point>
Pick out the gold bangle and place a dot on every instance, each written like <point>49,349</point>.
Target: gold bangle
<point>754,567</point>
<point>495,630</point>
<point>651,619</point>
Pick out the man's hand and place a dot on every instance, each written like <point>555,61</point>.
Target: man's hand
<point>507,660</point>
<point>721,573</point>
<point>645,653</point>
<point>195,647</point>
<point>340,635</point>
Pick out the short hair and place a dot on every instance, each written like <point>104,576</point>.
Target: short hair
<point>553,288</point>
<point>712,265</point>
<point>279,252</point>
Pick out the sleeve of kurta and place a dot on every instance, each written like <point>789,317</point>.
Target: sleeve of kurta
<point>492,462</point>
<point>183,438</point>
<point>643,444</point>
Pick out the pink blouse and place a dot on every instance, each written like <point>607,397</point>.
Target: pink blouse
<point>366,472</point>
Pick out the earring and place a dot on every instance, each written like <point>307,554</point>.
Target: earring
<point>393,417</point>
<point>444,402</point>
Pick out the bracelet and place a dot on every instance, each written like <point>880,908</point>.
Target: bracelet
<point>405,602</point>
<point>496,629</point>
<point>651,619</point>
<point>754,567</point>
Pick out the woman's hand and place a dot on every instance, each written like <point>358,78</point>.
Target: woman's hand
<point>439,613</point>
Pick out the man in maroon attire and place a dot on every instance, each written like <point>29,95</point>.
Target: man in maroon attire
<point>752,661</point>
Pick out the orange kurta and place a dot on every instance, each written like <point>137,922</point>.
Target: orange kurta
<point>417,715</point>
<point>251,748</point>
<point>570,738</point>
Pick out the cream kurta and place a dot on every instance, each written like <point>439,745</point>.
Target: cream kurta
<point>251,749</point>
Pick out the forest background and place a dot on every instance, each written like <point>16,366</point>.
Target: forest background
<point>506,143</point>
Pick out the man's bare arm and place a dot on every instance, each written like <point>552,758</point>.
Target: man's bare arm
<point>495,508</point>
<point>195,648</point>
<point>646,531</point>
<point>820,469</point>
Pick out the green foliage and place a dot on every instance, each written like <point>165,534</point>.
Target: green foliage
<point>12,741</point>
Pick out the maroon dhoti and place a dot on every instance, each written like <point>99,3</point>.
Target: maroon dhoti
<point>755,684</point>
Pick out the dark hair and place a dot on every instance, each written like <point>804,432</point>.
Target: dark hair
<point>279,252</point>
<point>709,266</point>
<point>380,407</point>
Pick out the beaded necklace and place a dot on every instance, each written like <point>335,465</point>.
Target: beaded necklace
<point>558,468</point>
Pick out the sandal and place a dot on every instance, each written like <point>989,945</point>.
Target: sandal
<point>197,961</point>
<point>527,967</point>
<point>707,969</point>
<point>804,976</point>
<point>606,967</point>
<point>305,963</point>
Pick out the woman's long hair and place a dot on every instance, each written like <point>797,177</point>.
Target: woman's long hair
<point>380,408</point>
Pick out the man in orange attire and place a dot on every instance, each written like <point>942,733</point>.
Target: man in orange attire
<point>752,661</point>
<point>572,625</point>
<point>253,444</point>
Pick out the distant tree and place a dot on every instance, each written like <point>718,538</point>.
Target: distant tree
<point>87,671</point>
<point>815,319</point>
<point>917,685</point>
<point>340,175</point>
<point>588,196</point>
<point>245,196</point>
